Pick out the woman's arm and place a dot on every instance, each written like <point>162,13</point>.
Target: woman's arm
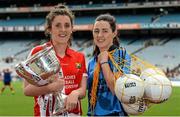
<point>32,90</point>
<point>74,97</point>
<point>81,91</point>
<point>108,75</point>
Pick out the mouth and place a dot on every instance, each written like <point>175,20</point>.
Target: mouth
<point>62,35</point>
<point>100,40</point>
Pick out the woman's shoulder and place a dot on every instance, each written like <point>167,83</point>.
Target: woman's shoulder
<point>121,50</point>
<point>37,48</point>
<point>75,52</point>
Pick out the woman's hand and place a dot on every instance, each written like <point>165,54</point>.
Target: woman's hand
<point>103,57</point>
<point>57,85</point>
<point>72,100</point>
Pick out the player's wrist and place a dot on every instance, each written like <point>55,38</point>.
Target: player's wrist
<point>103,62</point>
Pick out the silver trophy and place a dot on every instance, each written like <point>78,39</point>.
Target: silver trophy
<point>41,69</point>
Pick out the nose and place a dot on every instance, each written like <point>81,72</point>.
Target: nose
<point>62,28</point>
<point>100,34</point>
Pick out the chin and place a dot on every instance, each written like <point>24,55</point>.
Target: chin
<point>101,46</point>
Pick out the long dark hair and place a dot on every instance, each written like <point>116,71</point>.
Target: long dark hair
<point>112,21</point>
<point>60,9</point>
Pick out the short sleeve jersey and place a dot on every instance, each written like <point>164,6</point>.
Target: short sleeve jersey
<point>73,68</point>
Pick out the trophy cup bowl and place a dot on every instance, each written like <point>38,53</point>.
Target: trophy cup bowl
<point>40,67</point>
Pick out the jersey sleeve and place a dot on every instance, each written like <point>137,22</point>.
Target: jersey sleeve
<point>84,70</point>
<point>35,50</point>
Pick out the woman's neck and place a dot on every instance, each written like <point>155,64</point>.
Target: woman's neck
<point>105,48</point>
<point>60,49</point>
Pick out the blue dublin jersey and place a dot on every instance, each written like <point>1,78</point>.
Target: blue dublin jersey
<point>107,103</point>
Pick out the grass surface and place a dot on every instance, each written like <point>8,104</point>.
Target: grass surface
<point>169,108</point>
<point>18,104</point>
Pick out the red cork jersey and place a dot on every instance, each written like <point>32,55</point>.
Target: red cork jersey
<point>73,67</point>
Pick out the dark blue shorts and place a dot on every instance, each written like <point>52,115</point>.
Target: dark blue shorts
<point>7,83</point>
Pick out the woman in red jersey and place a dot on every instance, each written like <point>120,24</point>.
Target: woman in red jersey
<point>59,27</point>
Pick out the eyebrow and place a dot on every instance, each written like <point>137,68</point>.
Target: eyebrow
<point>105,29</point>
<point>102,29</point>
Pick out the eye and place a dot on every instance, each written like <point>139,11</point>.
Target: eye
<point>105,31</point>
<point>58,25</point>
<point>96,31</point>
<point>67,25</point>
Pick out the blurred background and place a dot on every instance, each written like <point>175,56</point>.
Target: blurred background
<point>150,29</point>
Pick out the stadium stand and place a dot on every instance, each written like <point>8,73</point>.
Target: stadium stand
<point>148,28</point>
<point>22,22</point>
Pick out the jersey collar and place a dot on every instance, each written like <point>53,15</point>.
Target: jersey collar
<point>113,47</point>
<point>69,51</point>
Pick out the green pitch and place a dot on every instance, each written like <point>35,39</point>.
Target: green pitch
<point>18,104</point>
<point>169,108</point>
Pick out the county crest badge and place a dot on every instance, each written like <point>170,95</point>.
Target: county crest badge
<point>78,65</point>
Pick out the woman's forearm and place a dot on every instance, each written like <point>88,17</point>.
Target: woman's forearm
<point>81,91</point>
<point>31,90</point>
<point>109,77</point>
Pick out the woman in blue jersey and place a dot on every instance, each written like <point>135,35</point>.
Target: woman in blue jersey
<point>102,71</point>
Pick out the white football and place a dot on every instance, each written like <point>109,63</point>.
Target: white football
<point>129,88</point>
<point>158,88</point>
<point>159,71</point>
<point>151,71</point>
<point>137,108</point>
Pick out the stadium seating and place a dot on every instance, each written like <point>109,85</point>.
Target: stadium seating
<point>22,22</point>
<point>121,19</point>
